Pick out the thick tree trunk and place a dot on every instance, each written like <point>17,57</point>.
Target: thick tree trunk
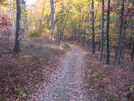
<point>107,35</point>
<point>102,32</point>
<point>120,35</point>
<point>93,34</point>
<point>18,27</point>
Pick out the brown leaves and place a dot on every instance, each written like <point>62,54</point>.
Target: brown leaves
<point>113,83</point>
<point>21,74</point>
<point>4,27</point>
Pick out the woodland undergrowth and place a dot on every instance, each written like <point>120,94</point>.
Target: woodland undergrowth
<point>109,84</point>
<point>20,74</point>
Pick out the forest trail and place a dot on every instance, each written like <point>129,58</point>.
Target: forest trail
<point>67,81</point>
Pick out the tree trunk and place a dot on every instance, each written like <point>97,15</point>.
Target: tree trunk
<point>83,38</point>
<point>120,35</point>
<point>93,34</point>
<point>132,55</point>
<point>11,20</point>
<point>79,34</point>
<point>102,32</point>
<point>107,35</point>
<point>18,27</point>
<point>40,22</point>
<point>57,34</point>
<point>52,18</point>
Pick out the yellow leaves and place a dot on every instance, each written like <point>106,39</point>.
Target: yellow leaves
<point>113,39</point>
<point>79,1</point>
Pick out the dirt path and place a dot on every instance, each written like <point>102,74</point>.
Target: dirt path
<point>67,81</point>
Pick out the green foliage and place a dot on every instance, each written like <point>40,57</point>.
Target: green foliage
<point>21,93</point>
<point>4,2</point>
<point>35,33</point>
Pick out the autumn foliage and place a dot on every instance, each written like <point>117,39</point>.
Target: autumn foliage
<point>73,20</point>
<point>114,83</point>
<point>20,74</point>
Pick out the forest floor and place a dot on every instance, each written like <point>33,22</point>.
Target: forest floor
<point>64,73</point>
<point>21,74</point>
<point>80,76</point>
<point>67,81</point>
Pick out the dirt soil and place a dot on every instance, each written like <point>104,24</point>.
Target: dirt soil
<point>67,81</point>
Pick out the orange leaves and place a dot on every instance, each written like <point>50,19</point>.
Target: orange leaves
<point>4,21</point>
<point>4,27</point>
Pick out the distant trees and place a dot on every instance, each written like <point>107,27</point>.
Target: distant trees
<point>105,24</point>
<point>119,52</point>
<point>116,28</point>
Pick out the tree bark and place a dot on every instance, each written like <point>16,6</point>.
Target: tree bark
<point>132,55</point>
<point>18,27</point>
<point>107,35</point>
<point>79,34</point>
<point>120,35</point>
<point>93,34</point>
<point>52,17</point>
<point>102,32</point>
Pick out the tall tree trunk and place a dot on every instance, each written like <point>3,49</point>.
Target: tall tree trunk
<point>107,35</point>
<point>132,55</point>
<point>93,34</point>
<point>79,34</point>
<point>83,38</point>
<point>18,27</point>
<point>11,20</point>
<point>52,18</point>
<point>40,22</point>
<point>120,34</point>
<point>102,32</point>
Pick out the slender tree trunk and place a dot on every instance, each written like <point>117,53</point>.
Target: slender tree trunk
<point>84,32</point>
<point>57,34</point>
<point>120,35</point>
<point>52,18</point>
<point>79,34</point>
<point>93,34</point>
<point>61,34</point>
<point>107,35</point>
<point>102,32</point>
<point>132,55</point>
<point>40,22</point>
<point>11,20</point>
<point>18,27</point>
<point>116,52</point>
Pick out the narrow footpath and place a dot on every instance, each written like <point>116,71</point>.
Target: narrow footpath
<point>67,82</point>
